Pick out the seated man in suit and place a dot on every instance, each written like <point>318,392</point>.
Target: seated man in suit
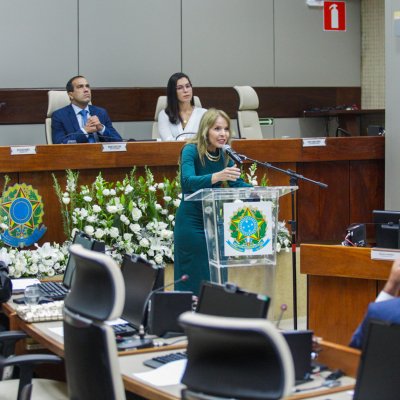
<point>80,122</point>
<point>385,308</point>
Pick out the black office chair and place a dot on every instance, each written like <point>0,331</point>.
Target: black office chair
<point>27,387</point>
<point>235,358</point>
<point>91,358</point>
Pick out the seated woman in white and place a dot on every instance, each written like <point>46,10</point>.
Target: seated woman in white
<point>181,116</point>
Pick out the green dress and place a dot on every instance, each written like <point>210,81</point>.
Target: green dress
<point>190,254</point>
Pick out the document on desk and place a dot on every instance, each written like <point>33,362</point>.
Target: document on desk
<point>19,285</point>
<point>169,374</point>
<point>59,330</point>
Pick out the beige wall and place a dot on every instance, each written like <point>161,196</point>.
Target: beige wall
<point>373,54</point>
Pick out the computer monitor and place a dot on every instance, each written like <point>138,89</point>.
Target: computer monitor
<point>88,243</point>
<point>386,228</point>
<point>140,277</point>
<point>300,345</point>
<point>230,301</point>
<point>377,376</point>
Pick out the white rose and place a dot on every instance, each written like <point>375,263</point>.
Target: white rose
<point>134,228</point>
<point>112,192</point>
<point>158,206</point>
<point>89,230</point>
<point>144,242</point>
<point>99,233</point>
<point>167,198</point>
<point>112,209</point>
<point>161,185</point>
<point>114,232</point>
<point>124,219</point>
<point>128,189</point>
<point>87,199</point>
<point>106,192</point>
<point>166,234</point>
<point>91,218</point>
<point>176,202</point>
<point>84,213</point>
<point>136,214</point>
<point>158,259</point>
<point>66,200</point>
<point>152,188</point>
<point>171,217</point>
<point>128,236</point>
<point>96,208</point>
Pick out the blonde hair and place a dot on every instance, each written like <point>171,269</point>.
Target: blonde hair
<point>207,122</point>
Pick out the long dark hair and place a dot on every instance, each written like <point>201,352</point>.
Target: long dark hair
<point>172,109</point>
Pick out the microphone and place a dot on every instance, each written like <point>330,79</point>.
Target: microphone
<point>283,309</point>
<point>183,278</point>
<point>232,153</point>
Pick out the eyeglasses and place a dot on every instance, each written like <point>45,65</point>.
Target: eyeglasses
<point>181,87</point>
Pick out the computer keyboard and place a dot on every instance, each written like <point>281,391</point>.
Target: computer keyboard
<point>124,330</point>
<point>53,290</point>
<point>52,311</point>
<point>156,362</point>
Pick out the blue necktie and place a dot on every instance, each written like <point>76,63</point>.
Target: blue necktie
<point>84,114</point>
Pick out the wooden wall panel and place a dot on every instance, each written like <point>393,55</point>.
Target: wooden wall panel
<point>29,106</point>
<point>367,180</point>
<point>342,308</point>
<point>323,214</point>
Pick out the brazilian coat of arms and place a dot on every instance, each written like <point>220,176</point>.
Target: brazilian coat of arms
<point>248,230</point>
<point>21,208</point>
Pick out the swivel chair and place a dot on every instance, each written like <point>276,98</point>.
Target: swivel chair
<point>57,99</point>
<point>247,116</point>
<point>235,358</point>
<point>26,388</point>
<point>162,105</point>
<point>91,358</point>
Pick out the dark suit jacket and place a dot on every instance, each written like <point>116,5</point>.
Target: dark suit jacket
<point>65,126</point>
<point>388,310</point>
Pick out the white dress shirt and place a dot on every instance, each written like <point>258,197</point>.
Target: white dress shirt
<point>168,131</point>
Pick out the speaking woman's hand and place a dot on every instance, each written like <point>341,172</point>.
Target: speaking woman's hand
<point>227,174</point>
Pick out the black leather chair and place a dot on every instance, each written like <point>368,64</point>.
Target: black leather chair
<point>235,358</point>
<point>27,387</point>
<point>97,295</point>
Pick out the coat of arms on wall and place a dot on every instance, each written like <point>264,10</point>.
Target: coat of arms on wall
<point>22,210</point>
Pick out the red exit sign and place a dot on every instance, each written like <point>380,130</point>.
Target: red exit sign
<point>334,16</point>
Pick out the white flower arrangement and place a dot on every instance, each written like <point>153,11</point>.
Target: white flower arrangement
<point>136,215</point>
<point>47,260</point>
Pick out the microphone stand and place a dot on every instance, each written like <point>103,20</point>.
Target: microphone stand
<point>293,181</point>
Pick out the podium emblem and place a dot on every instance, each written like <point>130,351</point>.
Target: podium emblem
<point>22,209</point>
<point>248,230</point>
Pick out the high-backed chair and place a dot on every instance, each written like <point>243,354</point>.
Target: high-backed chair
<point>161,105</point>
<point>91,358</point>
<point>235,358</point>
<point>27,387</point>
<point>247,116</point>
<point>57,99</point>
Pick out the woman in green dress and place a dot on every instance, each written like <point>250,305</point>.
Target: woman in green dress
<point>203,165</point>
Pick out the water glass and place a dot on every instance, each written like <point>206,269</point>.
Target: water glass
<point>32,295</point>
